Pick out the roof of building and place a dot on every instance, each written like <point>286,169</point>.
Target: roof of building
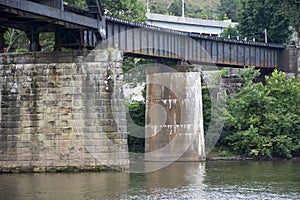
<point>192,21</point>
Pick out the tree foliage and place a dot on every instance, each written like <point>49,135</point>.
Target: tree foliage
<point>256,16</point>
<point>194,9</point>
<point>291,9</point>
<point>47,41</point>
<point>264,120</point>
<point>230,7</point>
<point>206,103</point>
<point>132,10</point>
<point>136,126</point>
<point>176,8</point>
<point>230,31</point>
<point>15,40</point>
<point>159,7</point>
<point>76,3</point>
<point>135,115</point>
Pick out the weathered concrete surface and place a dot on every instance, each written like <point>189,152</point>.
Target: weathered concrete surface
<point>58,111</point>
<point>174,117</point>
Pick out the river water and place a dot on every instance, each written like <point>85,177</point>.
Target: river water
<point>181,180</point>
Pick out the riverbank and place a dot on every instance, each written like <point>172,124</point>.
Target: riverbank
<point>224,154</point>
<point>102,168</point>
<point>67,169</point>
<point>241,158</point>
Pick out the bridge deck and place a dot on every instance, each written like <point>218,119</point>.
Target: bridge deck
<point>144,40</point>
<point>139,39</point>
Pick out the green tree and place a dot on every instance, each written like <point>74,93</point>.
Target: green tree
<point>47,41</point>
<point>229,31</point>
<point>264,120</point>
<point>256,16</point>
<point>206,103</point>
<point>136,126</point>
<point>176,8</point>
<point>76,3</point>
<point>291,9</point>
<point>135,109</point>
<point>230,7</point>
<point>193,8</point>
<point>132,10</point>
<point>15,39</point>
<point>159,7</point>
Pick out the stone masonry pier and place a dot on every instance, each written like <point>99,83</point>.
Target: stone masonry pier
<point>62,111</point>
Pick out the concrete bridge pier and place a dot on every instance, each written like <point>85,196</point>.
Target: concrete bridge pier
<point>290,60</point>
<point>174,119</point>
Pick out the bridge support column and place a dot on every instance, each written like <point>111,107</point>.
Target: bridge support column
<point>174,118</point>
<point>34,41</point>
<point>290,60</point>
<point>58,113</point>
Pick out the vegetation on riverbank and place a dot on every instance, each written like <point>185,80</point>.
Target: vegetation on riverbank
<point>136,126</point>
<point>263,120</point>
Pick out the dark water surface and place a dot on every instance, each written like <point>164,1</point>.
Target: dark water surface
<point>211,180</point>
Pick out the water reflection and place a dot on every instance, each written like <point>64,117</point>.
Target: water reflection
<point>212,180</point>
<point>63,186</point>
<point>179,180</point>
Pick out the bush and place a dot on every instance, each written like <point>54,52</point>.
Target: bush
<point>136,126</point>
<point>21,50</point>
<point>264,120</point>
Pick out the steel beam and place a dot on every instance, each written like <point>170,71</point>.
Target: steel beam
<point>46,13</point>
<point>142,40</point>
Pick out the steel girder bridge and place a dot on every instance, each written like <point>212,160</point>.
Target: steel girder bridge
<point>78,28</point>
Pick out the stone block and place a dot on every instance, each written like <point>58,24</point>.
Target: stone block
<point>59,163</point>
<point>3,157</point>
<point>26,150</point>
<point>75,156</point>
<point>55,117</point>
<point>39,169</point>
<point>52,156</point>
<point>88,130</point>
<point>89,163</point>
<point>25,157</point>
<point>116,56</point>
<point>101,149</point>
<point>76,162</point>
<point>12,157</point>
